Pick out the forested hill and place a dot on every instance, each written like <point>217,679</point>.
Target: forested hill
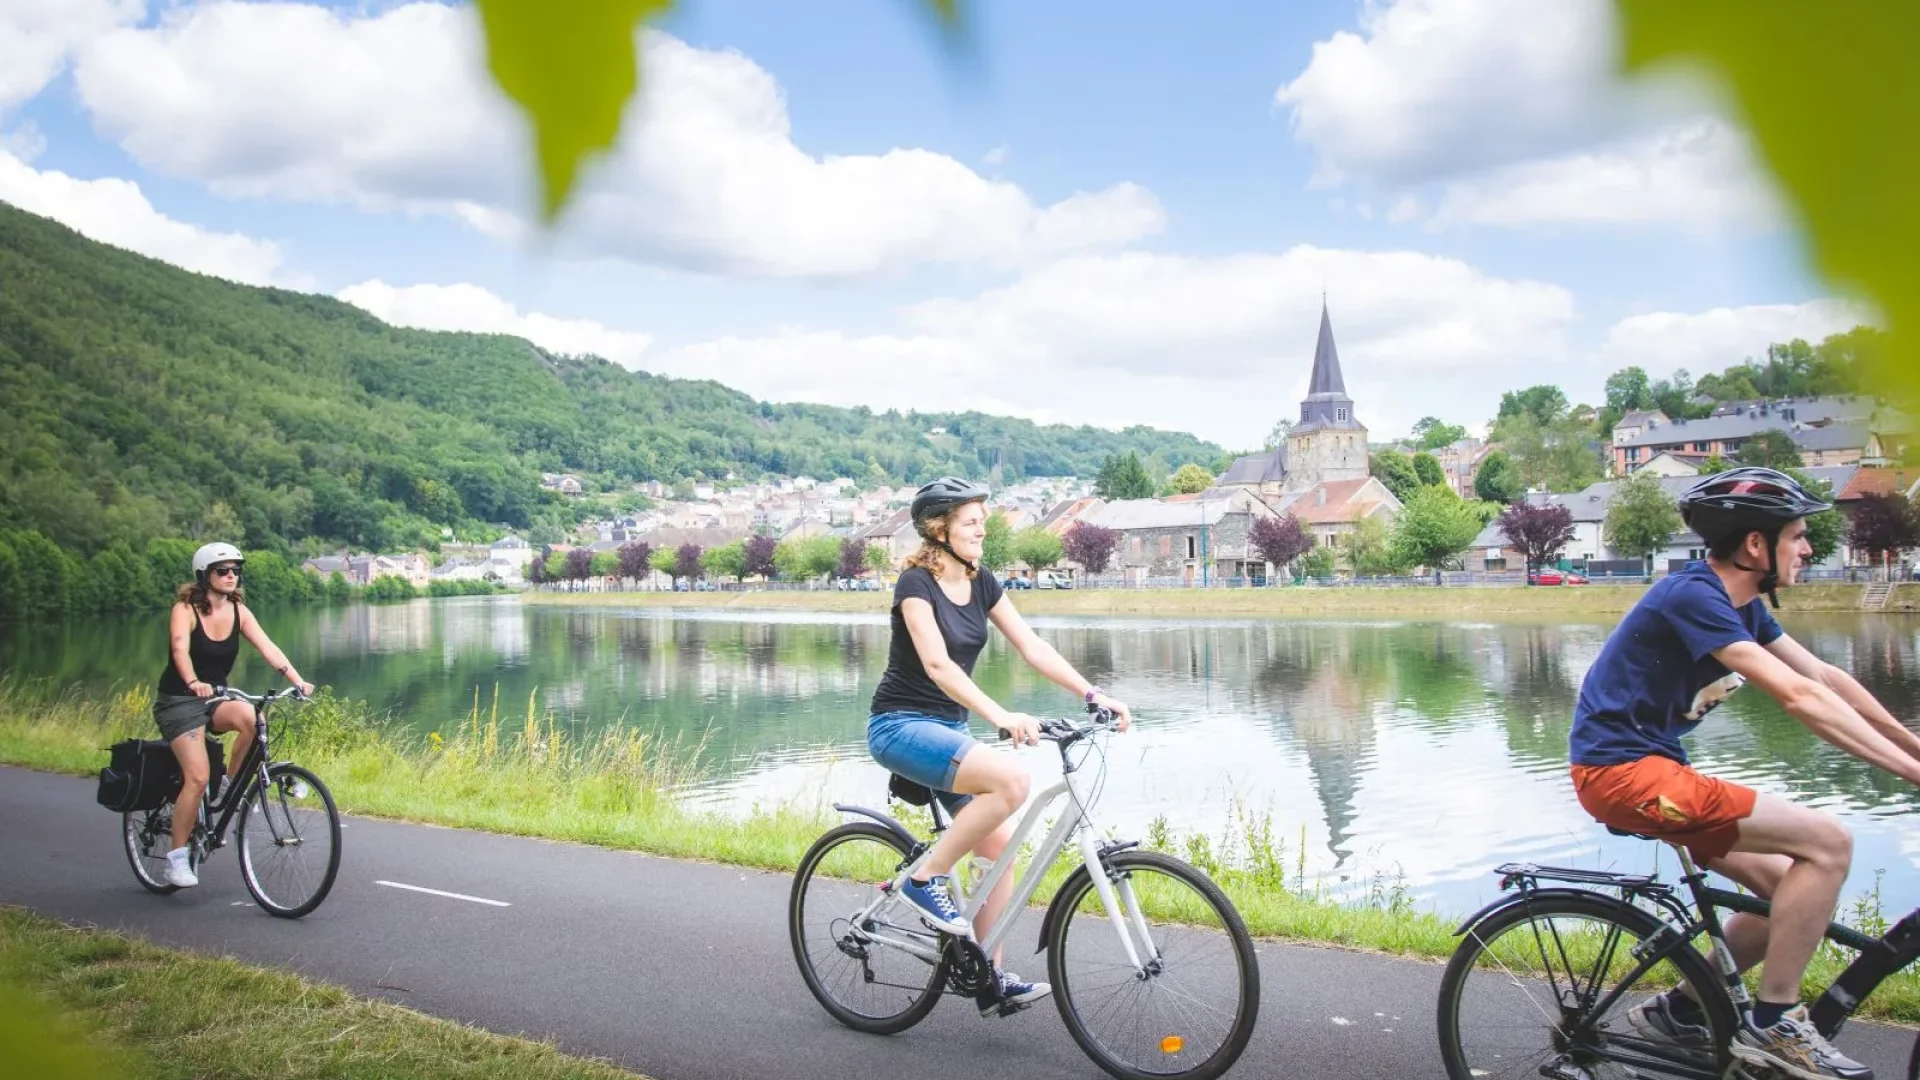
<point>142,400</point>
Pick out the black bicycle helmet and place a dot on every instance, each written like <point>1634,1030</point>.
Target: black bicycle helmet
<point>939,497</point>
<point>1749,499</point>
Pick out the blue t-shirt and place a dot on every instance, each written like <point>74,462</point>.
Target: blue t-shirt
<point>1656,677</point>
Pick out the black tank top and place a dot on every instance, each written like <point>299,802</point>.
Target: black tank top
<point>212,660</point>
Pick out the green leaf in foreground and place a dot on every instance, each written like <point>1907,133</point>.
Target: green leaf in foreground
<point>572,65</point>
<point>1832,96</point>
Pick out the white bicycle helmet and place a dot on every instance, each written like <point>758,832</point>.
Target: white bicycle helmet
<point>214,553</point>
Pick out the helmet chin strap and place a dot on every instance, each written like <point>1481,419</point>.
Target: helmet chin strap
<point>972,568</point>
<point>1770,577</point>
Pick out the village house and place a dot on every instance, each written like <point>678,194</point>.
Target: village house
<point>1460,462</point>
<point>364,569</point>
<point>1195,540</point>
<point>1829,431</point>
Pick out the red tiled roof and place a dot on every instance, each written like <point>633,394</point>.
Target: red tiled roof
<point>1873,481</point>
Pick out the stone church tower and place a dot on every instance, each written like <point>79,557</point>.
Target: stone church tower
<point>1328,443</point>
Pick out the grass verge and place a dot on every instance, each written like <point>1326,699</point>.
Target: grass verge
<point>1453,602</point>
<point>88,1003</point>
<point>529,778</point>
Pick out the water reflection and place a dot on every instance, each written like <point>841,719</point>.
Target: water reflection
<point>1429,750</point>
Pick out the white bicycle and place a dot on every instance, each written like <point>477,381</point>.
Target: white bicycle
<point>1152,968</point>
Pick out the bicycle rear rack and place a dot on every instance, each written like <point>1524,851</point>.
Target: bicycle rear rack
<point>1522,875</point>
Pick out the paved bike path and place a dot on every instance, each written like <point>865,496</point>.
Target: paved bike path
<point>680,970</point>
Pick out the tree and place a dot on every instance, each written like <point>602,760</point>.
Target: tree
<point>1629,389</point>
<point>1426,468</point>
<point>633,559</point>
<point>1278,436</point>
<point>1542,404</point>
<point>1317,563</point>
<point>1498,481</point>
<point>1433,527</point>
<point>1279,540</point>
<point>219,522</point>
<point>1772,449</point>
<point>1091,546</point>
<point>1882,527</point>
<point>726,560</point>
<point>1561,456</point>
<point>1641,516</point>
<point>852,560</point>
<point>1037,547</point>
<point>686,562</point>
<point>605,564</point>
<point>1123,477</point>
<point>663,560</point>
<point>805,559</point>
<point>757,556</point>
<point>1825,528</point>
<point>1714,464</point>
<point>1539,532</point>
<point>1395,470</point>
<point>579,565</point>
<point>1370,550</point>
<point>879,559</point>
<point>996,553</point>
<point>1430,433</point>
<point>1191,479</point>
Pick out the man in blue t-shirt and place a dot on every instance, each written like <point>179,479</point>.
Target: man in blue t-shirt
<point>1694,638</point>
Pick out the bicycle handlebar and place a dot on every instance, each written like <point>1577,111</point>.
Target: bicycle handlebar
<point>234,693</point>
<point>1065,731</point>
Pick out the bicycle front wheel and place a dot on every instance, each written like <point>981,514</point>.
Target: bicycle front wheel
<point>1544,988</point>
<point>865,954</point>
<point>1187,1007</point>
<point>289,841</point>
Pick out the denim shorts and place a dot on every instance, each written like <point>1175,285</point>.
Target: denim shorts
<point>924,749</point>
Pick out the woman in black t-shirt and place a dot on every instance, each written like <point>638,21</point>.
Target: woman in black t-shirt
<point>918,728</point>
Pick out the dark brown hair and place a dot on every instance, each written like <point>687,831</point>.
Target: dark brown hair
<point>195,593</point>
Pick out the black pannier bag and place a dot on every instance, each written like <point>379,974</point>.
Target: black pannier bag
<point>143,774</point>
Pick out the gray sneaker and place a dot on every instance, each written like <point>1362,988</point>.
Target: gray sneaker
<point>1653,1021</point>
<point>1795,1048</point>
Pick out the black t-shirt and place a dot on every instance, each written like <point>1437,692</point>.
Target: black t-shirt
<point>906,687</point>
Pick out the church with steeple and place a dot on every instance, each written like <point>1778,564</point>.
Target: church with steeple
<point>1328,443</point>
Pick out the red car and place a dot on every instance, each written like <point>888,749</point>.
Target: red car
<point>1555,577</point>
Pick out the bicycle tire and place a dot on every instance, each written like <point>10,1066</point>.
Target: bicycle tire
<point>1913,1061</point>
<point>250,874</point>
<point>1247,1014</point>
<point>796,929</point>
<point>133,822</point>
<point>1692,965</point>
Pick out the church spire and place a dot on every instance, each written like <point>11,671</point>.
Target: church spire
<point>1326,361</point>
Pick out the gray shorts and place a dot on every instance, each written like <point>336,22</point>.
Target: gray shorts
<point>179,715</point>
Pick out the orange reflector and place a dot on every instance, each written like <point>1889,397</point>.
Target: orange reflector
<point>1172,1044</point>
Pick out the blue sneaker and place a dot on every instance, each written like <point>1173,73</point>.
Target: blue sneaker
<point>1015,994</point>
<point>936,905</point>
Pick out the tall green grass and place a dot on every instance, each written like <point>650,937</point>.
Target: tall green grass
<point>521,772</point>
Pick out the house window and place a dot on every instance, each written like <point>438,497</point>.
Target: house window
<point>1700,448</point>
<point>1633,453</point>
<point>1166,546</point>
<point>1139,546</point>
<point>1190,548</point>
<point>1339,414</point>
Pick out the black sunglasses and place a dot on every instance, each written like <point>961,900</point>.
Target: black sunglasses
<point>227,568</point>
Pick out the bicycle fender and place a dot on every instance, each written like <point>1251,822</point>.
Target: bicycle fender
<point>1068,887</point>
<point>897,829</point>
<point>1521,898</point>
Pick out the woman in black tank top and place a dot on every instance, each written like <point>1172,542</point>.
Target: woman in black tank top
<point>209,618</point>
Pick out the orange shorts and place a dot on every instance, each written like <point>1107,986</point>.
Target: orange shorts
<point>1661,797</point>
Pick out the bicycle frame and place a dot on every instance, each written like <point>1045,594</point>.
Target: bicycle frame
<point>241,779</point>
<point>1070,827</point>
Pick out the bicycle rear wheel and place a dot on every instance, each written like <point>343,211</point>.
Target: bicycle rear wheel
<point>1519,996</point>
<point>1191,1011</point>
<point>147,835</point>
<point>289,836</point>
<point>876,968</point>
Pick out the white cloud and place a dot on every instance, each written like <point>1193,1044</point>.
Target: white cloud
<point>394,112</point>
<point>467,307</point>
<point>998,155</point>
<point>1517,106</point>
<point>38,36</point>
<point>1709,341</point>
<point>116,212</point>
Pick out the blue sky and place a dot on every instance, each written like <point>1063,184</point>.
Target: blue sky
<point>1084,217</point>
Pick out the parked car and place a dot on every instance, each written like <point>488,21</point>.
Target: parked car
<point>1555,577</point>
<point>1052,580</point>
<point>1016,583</point>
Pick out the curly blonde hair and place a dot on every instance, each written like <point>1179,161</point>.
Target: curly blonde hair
<point>931,557</point>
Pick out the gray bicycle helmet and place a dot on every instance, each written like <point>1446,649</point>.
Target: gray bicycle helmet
<point>1749,499</point>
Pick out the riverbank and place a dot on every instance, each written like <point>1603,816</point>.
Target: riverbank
<point>1453,602</point>
<point>84,1003</point>
<point>525,775</point>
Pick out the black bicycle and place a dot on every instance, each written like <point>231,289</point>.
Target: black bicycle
<point>1564,961</point>
<point>288,827</point>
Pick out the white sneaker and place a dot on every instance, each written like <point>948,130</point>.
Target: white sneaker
<point>179,874</point>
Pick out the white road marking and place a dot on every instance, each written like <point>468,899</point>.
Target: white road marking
<point>449,895</point>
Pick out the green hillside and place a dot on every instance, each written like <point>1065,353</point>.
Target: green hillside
<point>142,400</point>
